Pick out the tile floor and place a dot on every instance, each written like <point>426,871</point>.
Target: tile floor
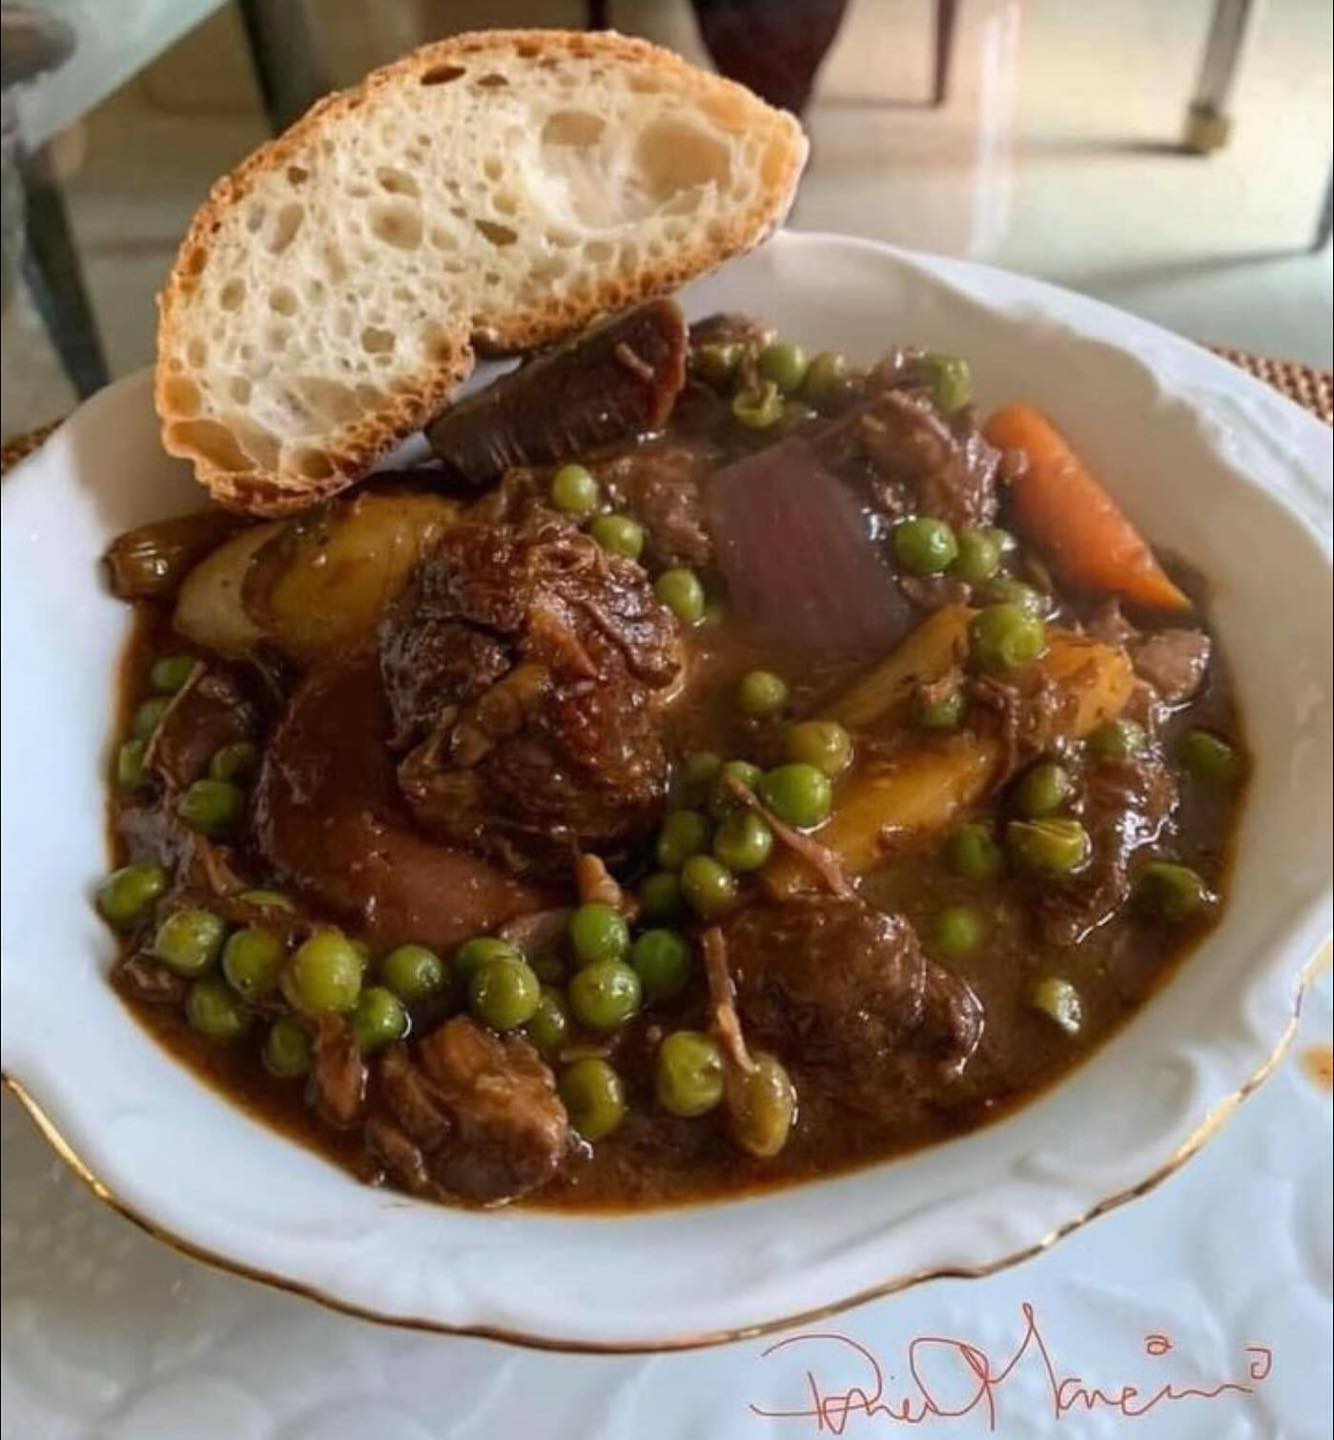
<point>1052,156</point>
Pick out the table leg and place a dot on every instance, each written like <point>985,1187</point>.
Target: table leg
<point>1325,225</point>
<point>1208,122</point>
<point>947,13</point>
<point>55,279</point>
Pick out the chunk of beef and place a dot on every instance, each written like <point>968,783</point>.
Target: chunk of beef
<point>620,379</point>
<point>836,985</point>
<point>329,818</point>
<point>336,1089</point>
<point>146,979</point>
<point>476,1114</point>
<point>524,665</point>
<point>665,487</point>
<point>1127,804</point>
<point>206,713</point>
<point>948,469</point>
<point>1172,661</point>
<point>728,328</point>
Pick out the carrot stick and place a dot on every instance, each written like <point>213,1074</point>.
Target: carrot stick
<point>1061,505</point>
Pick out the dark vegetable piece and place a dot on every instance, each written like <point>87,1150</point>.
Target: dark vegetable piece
<point>618,380</point>
<point>150,562</point>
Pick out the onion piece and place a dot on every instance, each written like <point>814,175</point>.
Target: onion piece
<point>802,566</point>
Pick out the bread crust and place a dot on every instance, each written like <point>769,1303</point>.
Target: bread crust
<point>354,447</point>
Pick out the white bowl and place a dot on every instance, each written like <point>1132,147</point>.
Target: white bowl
<point>1212,463</point>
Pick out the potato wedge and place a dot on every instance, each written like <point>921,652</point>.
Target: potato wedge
<point>209,609</point>
<point>938,643</point>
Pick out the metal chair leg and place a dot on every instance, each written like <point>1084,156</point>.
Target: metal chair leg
<point>55,279</point>
<point>1208,122</point>
<point>285,56</point>
<point>1325,225</point>
<point>947,13</point>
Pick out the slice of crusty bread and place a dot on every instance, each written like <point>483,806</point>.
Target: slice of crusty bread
<point>497,190</point>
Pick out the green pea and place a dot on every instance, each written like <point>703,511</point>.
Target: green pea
<point>743,842</point>
<point>762,1104</point>
<point>237,761</point>
<point>785,364</point>
<point>1004,542</point>
<point>688,1074</point>
<point>504,994</point>
<point>619,535</point>
<point>1044,790</point>
<point>130,772</point>
<point>599,932</point>
<point>978,559</point>
<point>684,833</point>
<point>709,888</point>
<point>211,807</point>
<point>1118,740</point>
<point>216,1010</point>
<point>1059,1001</point>
<point>1004,636</point>
<point>414,973</point>
<point>761,692</point>
<point>324,975</point>
<point>957,930</point>
<point>973,853</point>
<point>550,1026</point>
<point>286,1051</point>
<point>680,591</point>
<point>1171,892</point>
<point>268,900</point>
<point>949,378</point>
<point>379,1019</point>
<point>479,951</point>
<point>758,409</point>
<point>925,546</point>
<point>605,995</point>
<point>1208,757</point>
<point>723,802</point>
<point>661,959</point>
<point>660,897</point>
<point>171,672</point>
<point>827,382</point>
<point>798,794</point>
<point>127,895</point>
<point>945,713</point>
<point>252,961</point>
<point>574,491</point>
<point>189,941</point>
<point>822,743</point>
<point>717,364</point>
<point>1052,847</point>
<point>1006,590</point>
<point>592,1093</point>
<point>148,716</point>
<point>698,773</point>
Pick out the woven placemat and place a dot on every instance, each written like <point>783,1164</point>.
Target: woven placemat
<point>1308,386</point>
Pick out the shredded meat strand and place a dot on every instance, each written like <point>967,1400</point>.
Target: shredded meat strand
<point>821,860</point>
<point>722,999</point>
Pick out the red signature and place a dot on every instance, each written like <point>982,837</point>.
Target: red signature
<point>972,1381</point>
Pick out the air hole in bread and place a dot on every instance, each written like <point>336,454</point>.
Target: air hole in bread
<point>297,175</point>
<point>282,300</point>
<point>259,444</point>
<point>375,341</point>
<point>285,225</point>
<point>526,50</point>
<point>672,156</point>
<point>232,294</point>
<point>238,387</point>
<point>313,289</point>
<point>493,168</point>
<point>492,82</point>
<point>396,182</point>
<point>334,265</point>
<point>329,399</point>
<point>312,464</point>
<point>358,192</point>
<point>196,352</point>
<point>397,223</point>
<point>441,74</point>
<point>276,337</point>
<point>506,202</point>
<point>255,218</point>
<point>370,397</point>
<point>500,235</point>
<point>580,128</point>
<point>181,397</point>
<point>213,443</point>
<point>598,250</point>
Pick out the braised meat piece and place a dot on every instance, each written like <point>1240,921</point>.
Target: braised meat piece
<point>328,817</point>
<point>618,380</point>
<point>1127,805</point>
<point>834,984</point>
<point>206,713</point>
<point>665,487</point>
<point>475,1115</point>
<point>337,1085</point>
<point>1172,661</point>
<point>524,666</point>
